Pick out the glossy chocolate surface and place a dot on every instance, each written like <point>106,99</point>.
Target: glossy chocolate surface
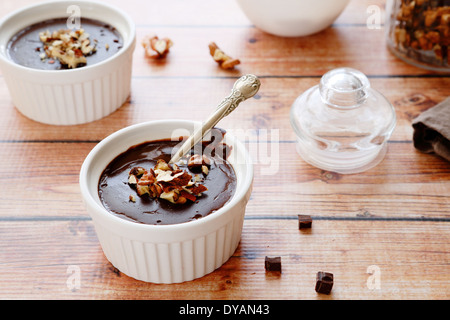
<point>25,47</point>
<point>115,192</point>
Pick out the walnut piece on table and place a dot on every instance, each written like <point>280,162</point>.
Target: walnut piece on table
<point>224,61</point>
<point>156,48</point>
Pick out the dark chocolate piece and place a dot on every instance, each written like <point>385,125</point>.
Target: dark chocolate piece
<point>324,282</point>
<point>272,264</point>
<point>304,221</point>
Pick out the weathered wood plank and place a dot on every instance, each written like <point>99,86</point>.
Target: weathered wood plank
<point>193,99</point>
<point>393,218</point>
<point>411,258</point>
<point>41,179</point>
<point>266,55</point>
<point>216,13</point>
<point>348,43</point>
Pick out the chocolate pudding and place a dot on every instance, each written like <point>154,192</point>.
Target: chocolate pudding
<point>44,46</point>
<point>141,186</point>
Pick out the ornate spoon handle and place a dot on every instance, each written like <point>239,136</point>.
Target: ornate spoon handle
<point>244,88</point>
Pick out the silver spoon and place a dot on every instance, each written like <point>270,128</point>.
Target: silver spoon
<point>244,88</point>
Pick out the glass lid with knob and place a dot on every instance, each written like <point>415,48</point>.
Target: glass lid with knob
<point>342,124</point>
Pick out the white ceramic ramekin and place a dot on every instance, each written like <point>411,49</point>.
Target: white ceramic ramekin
<point>165,253</point>
<point>292,18</point>
<point>76,96</point>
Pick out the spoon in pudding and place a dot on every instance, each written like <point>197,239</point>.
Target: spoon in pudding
<point>244,88</point>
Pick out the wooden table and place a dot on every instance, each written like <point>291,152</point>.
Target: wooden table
<point>384,234</point>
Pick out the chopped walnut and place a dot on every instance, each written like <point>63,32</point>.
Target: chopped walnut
<point>69,47</point>
<point>165,182</point>
<point>156,48</point>
<point>224,61</point>
<point>197,162</point>
<point>422,27</point>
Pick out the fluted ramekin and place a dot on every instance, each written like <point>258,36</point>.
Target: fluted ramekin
<point>165,253</point>
<point>74,96</point>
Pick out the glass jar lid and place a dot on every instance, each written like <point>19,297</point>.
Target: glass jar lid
<point>342,124</point>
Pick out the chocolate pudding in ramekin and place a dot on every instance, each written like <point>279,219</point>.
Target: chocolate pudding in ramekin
<point>94,76</point>
<point>174,252</point>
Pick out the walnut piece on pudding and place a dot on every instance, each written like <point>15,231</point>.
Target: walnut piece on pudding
<point>70,47</point>
<point>165,182</point>
<point>197,163</point>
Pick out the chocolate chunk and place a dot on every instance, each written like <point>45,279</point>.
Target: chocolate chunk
<point>324,282</point>
<point>273,264</point>
<point>304,221</point>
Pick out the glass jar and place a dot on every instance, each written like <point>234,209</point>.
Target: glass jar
<point>418,32</point>
<point>342,124</point>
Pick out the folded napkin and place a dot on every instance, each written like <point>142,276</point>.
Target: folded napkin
<point>432,130</point>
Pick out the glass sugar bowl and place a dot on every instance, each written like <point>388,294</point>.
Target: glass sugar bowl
<point>342,124</point>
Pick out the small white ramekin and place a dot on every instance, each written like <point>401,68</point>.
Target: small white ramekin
<point>165,253</point>
<point>76,96</point>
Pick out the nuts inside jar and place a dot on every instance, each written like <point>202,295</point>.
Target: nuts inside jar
<point>421,31</point>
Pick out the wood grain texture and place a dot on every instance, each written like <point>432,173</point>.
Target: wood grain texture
<point>394,218</point>
<point>44,176</point>
<point>193,99</point>
<point>346,248</point>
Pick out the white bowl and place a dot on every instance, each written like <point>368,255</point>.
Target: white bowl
<point>165,253</point>
<point>75,96</point>
<point>292,18</point>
